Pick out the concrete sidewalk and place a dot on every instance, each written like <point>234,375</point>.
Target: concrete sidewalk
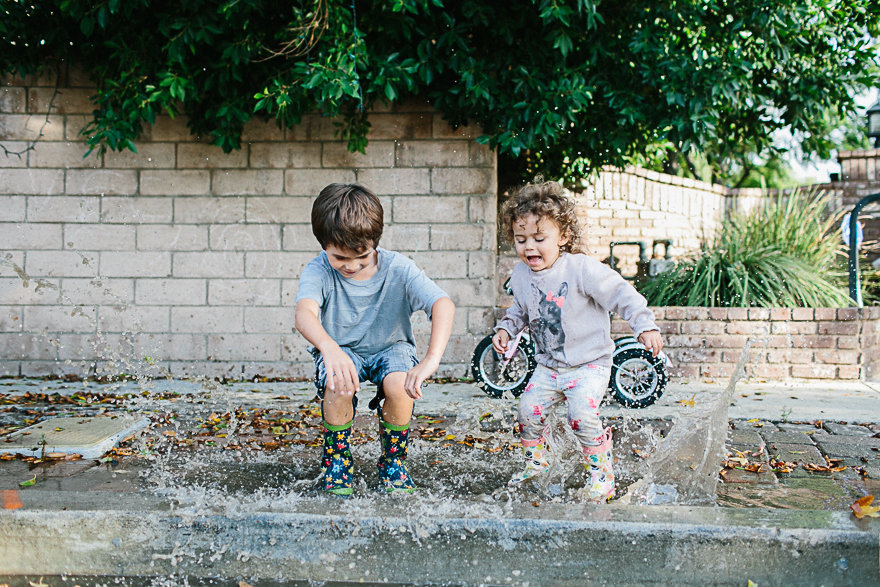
<point>847,401</point>
<point>840,401</point>
<point>230,515</point>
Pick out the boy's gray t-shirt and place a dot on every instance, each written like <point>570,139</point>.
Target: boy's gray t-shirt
<point>369,316</point>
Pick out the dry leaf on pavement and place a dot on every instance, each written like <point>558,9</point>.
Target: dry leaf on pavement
<point>862,507</point>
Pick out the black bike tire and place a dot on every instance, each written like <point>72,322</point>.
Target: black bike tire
<point>659,367</point>
<point>488,387</point>
<point>619,342</point>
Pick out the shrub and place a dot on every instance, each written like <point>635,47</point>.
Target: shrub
<point>781,254</point>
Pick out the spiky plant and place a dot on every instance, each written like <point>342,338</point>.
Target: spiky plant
<point>781,254</point>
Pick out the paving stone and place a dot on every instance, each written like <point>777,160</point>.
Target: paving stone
<point>754,453</point>
<point>866,441</point>
<point>759,426</point>
<point>873,472</point>
<point>796,473</point>
<point>746,437</point>
<point>803,429</point>
<point>798,453</point>
<point>847,429</point>
<point>89,437</point>
<point>839,449</point>
<point>787,438</point>
<point>848,473</point>
<point>740,476</point>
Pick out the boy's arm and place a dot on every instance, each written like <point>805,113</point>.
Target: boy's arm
<point>442,316</point>
<point>340,369</point>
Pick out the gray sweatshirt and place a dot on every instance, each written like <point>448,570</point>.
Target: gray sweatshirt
<point>566,309</point>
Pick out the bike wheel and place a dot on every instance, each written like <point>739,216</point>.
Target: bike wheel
<point>625,340</point>
<point>637,379</point>
<point>493,377</point>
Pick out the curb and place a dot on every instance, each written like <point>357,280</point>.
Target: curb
<point>490,544</point>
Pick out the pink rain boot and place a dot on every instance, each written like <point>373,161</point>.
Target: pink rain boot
<point>535,452</point>
<point>601,467</point>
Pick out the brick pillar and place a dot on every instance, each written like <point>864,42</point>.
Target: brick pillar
<point>860,177</point>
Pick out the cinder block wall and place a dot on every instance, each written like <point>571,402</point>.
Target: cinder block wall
<point>191,257</point>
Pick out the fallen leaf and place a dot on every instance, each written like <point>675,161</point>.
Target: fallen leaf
<point>39,583</point>
<point>862,507</point>
<point>55,455</point>
<point>782,466</point>
<point>243,584</point>
<point>688,402</point>
<point>750,584</point>
<point>758,467</point>
<point>29,482</point>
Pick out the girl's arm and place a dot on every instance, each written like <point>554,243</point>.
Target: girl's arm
<point>617,295</point>
<point>513,322</point>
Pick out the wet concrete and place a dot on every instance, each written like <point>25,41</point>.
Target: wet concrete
<point>319,539</point>
<point>214,491</point>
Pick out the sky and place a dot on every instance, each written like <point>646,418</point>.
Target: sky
<point>820,170</point>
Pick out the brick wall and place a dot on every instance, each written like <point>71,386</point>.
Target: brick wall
<point>639,205</point>
<point>192,257</point>
<point>799,343</point>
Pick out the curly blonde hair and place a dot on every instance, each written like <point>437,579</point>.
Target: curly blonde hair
<point>544,200</point>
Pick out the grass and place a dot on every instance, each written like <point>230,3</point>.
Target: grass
<point>781,254</point>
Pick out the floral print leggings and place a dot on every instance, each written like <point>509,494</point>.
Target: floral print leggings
<point>583,389</point>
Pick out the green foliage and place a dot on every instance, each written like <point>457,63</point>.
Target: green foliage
<point>781,254</point>
<point>564,86</point>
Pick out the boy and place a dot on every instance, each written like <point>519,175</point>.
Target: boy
<point>354,305</point>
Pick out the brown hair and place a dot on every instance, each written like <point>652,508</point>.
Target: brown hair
<point>544,200</point>
<point>349,216</point>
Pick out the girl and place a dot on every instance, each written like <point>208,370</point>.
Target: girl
<point>564,297</point>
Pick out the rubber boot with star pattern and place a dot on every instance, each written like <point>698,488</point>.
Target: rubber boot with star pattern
<point>337,467</point>
<point>392,463</point>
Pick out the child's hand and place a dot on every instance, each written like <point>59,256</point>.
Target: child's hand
<point>500,340</point>
<point>652,341</point>
<point>417,375</point>
<point>341,374</point>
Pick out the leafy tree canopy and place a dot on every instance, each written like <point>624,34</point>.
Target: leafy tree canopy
<point>563,86</point>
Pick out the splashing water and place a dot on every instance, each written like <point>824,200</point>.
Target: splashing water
<point>455,480</point>
<point>684,468</point>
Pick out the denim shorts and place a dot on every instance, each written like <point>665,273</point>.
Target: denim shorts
<point>399,357</point>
